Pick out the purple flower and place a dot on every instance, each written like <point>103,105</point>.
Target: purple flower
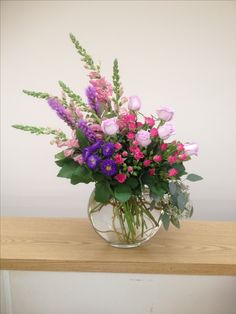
<point>93,161</point>
<point>109,167</point>
<point>86,153</point>
<point>55,104</point>
<point>88,132</point>
<point>96,146</point>
<point>108,149</point>
<point>92,98</point>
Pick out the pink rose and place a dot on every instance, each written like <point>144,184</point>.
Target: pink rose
<point>164,146</point>
<point>134,103</point>
<point>166,130</point>
<point>191,149</point>
<point>183,157</point>
<point>152,172</point>
<point>172,172</point>
<point>143,138</point>
<point>147,162</point>
<point>130,169</point>
<point>118,146</point>
<point>149,121</point>
<point>110,126</point>
<point>130,135</point>
<point>165,113</point>
<point>172,160</point>
<point>121,177</point>
<point>157,158</point>
<point>125,153</point>
<point>154,132</point>
<point>118,159</point>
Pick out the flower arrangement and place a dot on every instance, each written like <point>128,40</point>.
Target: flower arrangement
<point>120,149</point>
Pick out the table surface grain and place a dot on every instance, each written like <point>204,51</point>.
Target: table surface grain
<point>70,244</point>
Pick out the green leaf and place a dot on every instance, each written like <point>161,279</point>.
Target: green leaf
<point>62,162</point>
<point>175,221</point>
<point>83,141</point>
<point>102,192</point>
<point>132,182</point>
<point>81,175</point>
<point>68,169</point>
<point>60,155</point>
<point>172,188</point>
<point>165,220</point>
<point>194,177</point>
<point>181,201</point>
<point>122,192</point>
<point>98,176</point>
<point>181,169</point>
<point>157,190</point>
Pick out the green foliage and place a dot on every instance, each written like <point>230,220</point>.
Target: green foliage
<point>116,83</point>
<point>60,155</point>
<point>181,169</point>
<point>68,169</point>
<point>76,98</point>
<point>175,221</point>
<point>122,192</point>
<point>85,56</point>
<point>102,192</point>
<point>83,141</point>
<point>165,220</point>
<point>132,182</point>
<point>36,94</point>
<point>58,134</point>
<point>194,177</point>
<point>81,175</point>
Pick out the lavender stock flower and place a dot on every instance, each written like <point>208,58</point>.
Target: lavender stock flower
<point>92,98</point>
<point>55,104</point>
<point>84,127</point>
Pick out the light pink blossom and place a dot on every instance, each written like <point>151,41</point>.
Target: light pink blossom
<point>143,138</point>
<point>166,130</point>
<point>134,103</point>
<point>165,113</point>
<point>110,126</point>
<point>191,149</point>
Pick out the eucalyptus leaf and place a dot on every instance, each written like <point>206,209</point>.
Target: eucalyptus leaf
<point>165,220</point>
<point>194,177</point>
<point>175,221</point>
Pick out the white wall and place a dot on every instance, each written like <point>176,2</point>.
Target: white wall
<point>180,53</point>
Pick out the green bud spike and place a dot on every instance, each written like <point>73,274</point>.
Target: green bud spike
<point>36,94</point>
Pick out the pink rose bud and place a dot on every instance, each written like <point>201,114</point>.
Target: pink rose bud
<point>157,158</point>
<point>152,172</point>
<point>121,177</point>
<point>166,130</point>
<point>154,132</point>
<point>110,126</point>
<point>191,149</point>
<point>180,147</point>
<point>125,153</point>
<point>164,146</point>
<point>130,169</point>
<point>149,121</point>
<point>134,103</point>
<point>143,138</point>
<point>130,136</point>
<point>172,160</point>
<point>172,172</point>
<point>118,159</point>
<point>165,113</point>
<point>147,162</point>
<point>118,146</point>
<point>183,157</point>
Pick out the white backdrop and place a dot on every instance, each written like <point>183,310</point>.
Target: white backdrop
<point>180,53</point>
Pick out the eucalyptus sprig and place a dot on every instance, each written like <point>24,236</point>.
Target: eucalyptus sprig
<point>58,134</point>
<point>85,56</point>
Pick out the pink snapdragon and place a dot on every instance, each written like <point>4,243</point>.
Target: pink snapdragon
<point>68,152</point>
<point>103,89</point>
<point>79,159</point>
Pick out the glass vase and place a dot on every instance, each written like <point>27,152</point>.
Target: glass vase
<point>128,224</point>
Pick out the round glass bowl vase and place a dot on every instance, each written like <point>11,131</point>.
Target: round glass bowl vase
<point>125,225</point>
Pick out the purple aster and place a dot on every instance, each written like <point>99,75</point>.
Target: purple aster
<point>56,105</point>
<point>96,146</point>
<point>93,161</point>
<point>109,167</point>
<point>92,98</point>
<point>108,149</point>
<point>88,132</point>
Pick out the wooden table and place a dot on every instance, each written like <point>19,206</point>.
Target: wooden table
<point>66,244</point>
